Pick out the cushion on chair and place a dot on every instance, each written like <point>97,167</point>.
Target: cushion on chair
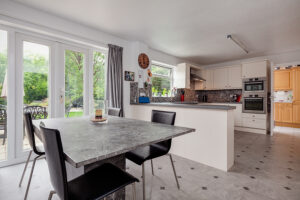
<point>99,182</point>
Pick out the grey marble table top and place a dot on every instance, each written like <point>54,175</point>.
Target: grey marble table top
<point>85,142</point>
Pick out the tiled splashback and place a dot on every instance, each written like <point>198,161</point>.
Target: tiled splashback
<point>217,96</point>
<point>135,92</point>
<point>283,96</point>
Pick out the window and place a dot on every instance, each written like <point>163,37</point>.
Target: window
<point>99,80</point>
<point>74,64</point>
<point>3,95</point>
<point>162,80</point>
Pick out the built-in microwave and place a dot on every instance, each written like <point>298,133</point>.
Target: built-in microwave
<point>254,85</point>
<point>255,103</point>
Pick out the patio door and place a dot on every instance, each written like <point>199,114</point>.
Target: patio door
<point>76,90</point>
<point>33,84</point>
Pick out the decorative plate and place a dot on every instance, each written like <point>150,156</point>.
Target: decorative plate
<point>143,61</point>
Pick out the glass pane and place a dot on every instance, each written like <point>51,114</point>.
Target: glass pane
<point>161,86</point>
<point>99,80</point>
<point>35,94</point>
<point>160,70</point>
<point>74,63</point>
<point>3,93</point>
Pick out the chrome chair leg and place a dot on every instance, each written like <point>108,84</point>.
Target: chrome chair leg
<point>174,171</point>
<point>144,186</point>
<point>30,177</point>
<point>51,194</point>
<point>20,183</point>
<point>133,192</point>
<point>152,167</point>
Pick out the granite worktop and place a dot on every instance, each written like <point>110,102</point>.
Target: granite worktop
<point>188,105</point>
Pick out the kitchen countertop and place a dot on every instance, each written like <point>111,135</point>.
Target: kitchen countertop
<point>221,102</point>
<point>188,105</point>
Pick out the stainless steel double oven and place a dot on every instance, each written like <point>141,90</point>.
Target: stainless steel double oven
<point>255,95</point>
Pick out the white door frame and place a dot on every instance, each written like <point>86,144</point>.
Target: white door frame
<point>272,91</point>
<point>20,38</point>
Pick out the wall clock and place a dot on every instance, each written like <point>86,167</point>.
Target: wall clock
<point>143,61</point>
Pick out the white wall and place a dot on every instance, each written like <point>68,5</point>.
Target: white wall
<point>26,18</point>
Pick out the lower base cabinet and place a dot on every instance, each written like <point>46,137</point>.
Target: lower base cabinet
<point>283,112</point>
<point>296,112</point>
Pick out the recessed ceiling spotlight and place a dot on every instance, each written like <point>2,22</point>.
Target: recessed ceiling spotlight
<point>237,42</point>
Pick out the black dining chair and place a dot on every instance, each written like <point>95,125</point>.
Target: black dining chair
<point>114,111</point>
<point>37,149</point>
<point>142,154</point>
<point>95,184</point>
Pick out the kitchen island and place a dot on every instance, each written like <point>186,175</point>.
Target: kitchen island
<point>213,142</point>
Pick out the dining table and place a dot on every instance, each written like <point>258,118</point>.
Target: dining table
<point>87,144</point>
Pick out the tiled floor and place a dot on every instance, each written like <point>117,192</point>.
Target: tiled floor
<point>265,168</point>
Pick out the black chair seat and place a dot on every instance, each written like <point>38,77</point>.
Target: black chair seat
<point>99,183</point>
<point>142,154</point>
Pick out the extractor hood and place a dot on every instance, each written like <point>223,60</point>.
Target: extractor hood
<point>196,77</point>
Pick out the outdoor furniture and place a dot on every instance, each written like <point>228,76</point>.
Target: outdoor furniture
<point>38,150</point>
<point>142,154</point>
<point>88,145</point>
<point>95,184</point>
<point>37,112</point>
<point>114,112</point>
<point>3,124</point>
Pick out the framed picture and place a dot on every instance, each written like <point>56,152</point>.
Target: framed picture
<point>129,76</point>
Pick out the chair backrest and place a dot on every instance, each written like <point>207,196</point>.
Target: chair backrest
<point>164,117</point>
<point>3,117</point>
<point>114,111</point>
<point>30,133</point>
<point>37,112</point>
<point>56,161</point>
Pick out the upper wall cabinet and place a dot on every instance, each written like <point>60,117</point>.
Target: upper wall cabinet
<point>209,77</point>
<point>296,84</point>
<point>227,77</point>
<point>283,79</point>
<point>235,77</point>
<point>220,78</point>
<point>182,76</point>
<point>255,69</point>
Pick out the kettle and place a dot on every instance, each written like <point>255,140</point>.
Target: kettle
<point>204,98</point>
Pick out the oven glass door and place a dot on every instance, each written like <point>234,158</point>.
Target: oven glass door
<point>254,104</point>
<point>254,86</point>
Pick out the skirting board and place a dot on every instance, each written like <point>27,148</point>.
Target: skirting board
<point>287,124</point>
<point>251,130</point>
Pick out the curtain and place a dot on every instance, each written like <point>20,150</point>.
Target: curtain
<point>114,91</point>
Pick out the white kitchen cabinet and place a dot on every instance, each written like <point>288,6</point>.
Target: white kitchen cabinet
<point>209,77</point>
<point>255,69</point>
<point>235,77</point>
<point>220,79</point>
<point>237,114</point>
<point>228,77</point>
<point>182,76</point>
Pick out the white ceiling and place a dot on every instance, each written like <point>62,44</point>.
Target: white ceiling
<point>191,29</point>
